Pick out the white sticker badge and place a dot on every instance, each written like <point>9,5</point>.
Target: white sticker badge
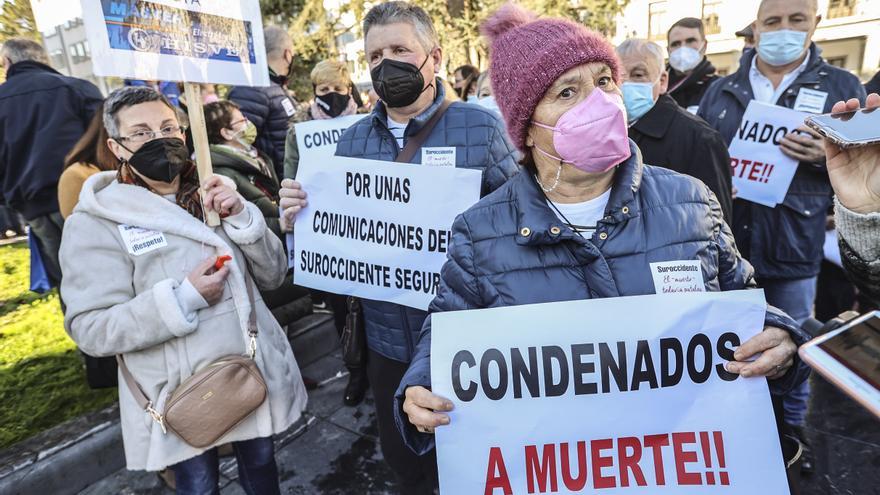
<point>672,277</point>
<point>439,157</point>
<point>141,241</point>
<point>287,105</point>
<point>810,100</point>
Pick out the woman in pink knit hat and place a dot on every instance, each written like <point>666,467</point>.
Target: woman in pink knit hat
<point>585,219</point>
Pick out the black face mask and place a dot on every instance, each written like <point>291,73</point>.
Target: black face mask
<point>333,104</point>
<point>160,159</point>
<point>397,83</point>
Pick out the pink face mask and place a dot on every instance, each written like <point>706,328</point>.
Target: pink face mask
<point>210,98</point>
<point>592,136</point>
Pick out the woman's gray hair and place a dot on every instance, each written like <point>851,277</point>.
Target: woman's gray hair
<point>22,49</point>
<point>394,12</point>
<point>635,46</point>
<point>128,96</point>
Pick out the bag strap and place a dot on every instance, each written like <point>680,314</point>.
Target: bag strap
<point>135,389</point>
<point>414,143</point>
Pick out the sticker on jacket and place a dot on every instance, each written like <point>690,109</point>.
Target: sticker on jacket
<point>810,100</point>
<point>140,241</point>
<point>439,157</point>
<point>287,105</point>
<point>672,277</point>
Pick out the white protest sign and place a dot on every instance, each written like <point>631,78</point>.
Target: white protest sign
<point>761,172</point>
<point>316,139</point>
<point>625,395</point>
<point>378,230</point>
<point>197,41</point>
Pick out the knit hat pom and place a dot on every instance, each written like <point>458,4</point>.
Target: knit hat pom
<point>508,17</point>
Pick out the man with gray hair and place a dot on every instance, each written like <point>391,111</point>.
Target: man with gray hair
<point>668,135</point>
<point>271,107</point>
<point>42,114</point>
<point>404,55</point>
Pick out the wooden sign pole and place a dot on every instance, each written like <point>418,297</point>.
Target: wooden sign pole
<point>199,132</point>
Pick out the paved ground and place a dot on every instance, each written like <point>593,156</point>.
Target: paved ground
<point>334,450</point>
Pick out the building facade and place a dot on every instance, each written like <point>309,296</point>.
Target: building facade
<point>69,52</point>
<point>849,33</point>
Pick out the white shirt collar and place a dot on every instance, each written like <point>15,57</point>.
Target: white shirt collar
<point>763,89</point>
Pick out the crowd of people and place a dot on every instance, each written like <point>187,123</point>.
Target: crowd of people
<point>596,161</point>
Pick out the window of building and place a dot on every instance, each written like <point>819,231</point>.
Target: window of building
<point>57,58</point>
<point>78,52</point>
<point>837,61</point>
<point>841,8</point>
<point>657,24</point>
<point>710,16</point>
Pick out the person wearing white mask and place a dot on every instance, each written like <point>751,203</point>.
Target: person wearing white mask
<point>690,72</point>
<point>485,98</point>
<point>667,135</point>
<point>784,243</point>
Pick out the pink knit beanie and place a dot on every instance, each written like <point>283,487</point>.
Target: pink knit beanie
<point>528,54</point>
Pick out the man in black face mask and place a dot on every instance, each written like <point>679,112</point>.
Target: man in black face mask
<point>404,56</point>
<point>270,108</point>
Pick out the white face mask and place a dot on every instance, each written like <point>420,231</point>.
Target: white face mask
<point>489,103</point>
<point>685,59</point>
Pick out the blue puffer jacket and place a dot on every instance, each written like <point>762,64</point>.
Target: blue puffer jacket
<point>783,242</point>
<point>481,143</point>
<point>270,109</point>
<point>504,252</point>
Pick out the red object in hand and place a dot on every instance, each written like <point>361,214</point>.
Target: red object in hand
<point>221,260</point>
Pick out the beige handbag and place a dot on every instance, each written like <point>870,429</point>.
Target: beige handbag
<point>214,400</point>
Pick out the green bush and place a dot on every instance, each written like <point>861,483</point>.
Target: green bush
<point>42,382</point>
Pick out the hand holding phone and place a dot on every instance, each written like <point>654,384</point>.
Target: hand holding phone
<point>855,170</point>
<point>849,358</point>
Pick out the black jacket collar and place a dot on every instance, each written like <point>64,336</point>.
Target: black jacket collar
<point>702,71</point>
<point>28,66</point>
<point>657,121</point>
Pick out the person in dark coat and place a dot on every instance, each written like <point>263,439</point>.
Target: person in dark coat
<point>784,243</point>
<point>231,136</point>
<point>668,135</point>
<point>42,115</point>
<point>270,108</point>
<point>579,222</point>
<point>873,86</point>
<point>690,72</point>
<point>855,177</point>
<point>401,44</point>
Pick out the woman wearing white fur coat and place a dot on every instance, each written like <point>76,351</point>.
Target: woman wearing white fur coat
<point>153,295</point>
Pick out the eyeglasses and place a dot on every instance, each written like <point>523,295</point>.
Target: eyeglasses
<point>144,136</point>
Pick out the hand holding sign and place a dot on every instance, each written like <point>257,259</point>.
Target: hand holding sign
<point>221,198</point>
<point>421,407</point>
<point>776,350</point>
<point>804,145</point>
<point>855,172</point>
<point>293,199</point>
